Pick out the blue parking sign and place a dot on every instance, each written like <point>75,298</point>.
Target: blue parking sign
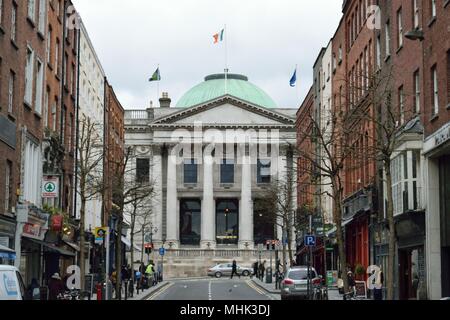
<point>162,251</point>
<point>310,241</point>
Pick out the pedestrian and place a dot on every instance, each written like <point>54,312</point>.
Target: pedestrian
<point>138,276</point>
<point>262,268</point>
<point>234,270</point>
<point>255,269</point>
<point>55,287</point>
<point>351,282</point>
<point>149,271</point>
<point>113,279</point>
<point>33,290</point>
<point>378,290</point>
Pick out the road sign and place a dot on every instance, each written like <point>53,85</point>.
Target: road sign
<point>310,241</point>
<point>50,187</point>
<point>100,234</point>
<point>162,251</point>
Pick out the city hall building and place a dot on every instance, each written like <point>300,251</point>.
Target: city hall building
<point>210,160</point>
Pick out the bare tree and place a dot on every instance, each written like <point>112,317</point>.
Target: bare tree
<point>89,173</point>
<point>131,194</point>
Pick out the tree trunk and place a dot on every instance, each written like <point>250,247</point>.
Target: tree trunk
<point>391,224</point>
<point>119,259</point>
<point>142,247</point>
<point>340,238</point>
<point>289,238</point>
<point>82,244</point>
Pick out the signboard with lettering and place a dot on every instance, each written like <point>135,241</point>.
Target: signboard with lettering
<point>50,187</point>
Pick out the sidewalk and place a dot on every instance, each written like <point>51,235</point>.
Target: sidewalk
<point>143,294</point>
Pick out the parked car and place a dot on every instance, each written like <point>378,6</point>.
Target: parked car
<point>295,282</point>
<point>225,269</point>
<point>11,284</point>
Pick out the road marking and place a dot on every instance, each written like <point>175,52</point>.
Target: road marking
<point>254,287</point>
<point>209,291</point>
<point>154,295</point>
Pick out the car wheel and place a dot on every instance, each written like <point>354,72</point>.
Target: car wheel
<point>245,273</point>
<point>218,274</point>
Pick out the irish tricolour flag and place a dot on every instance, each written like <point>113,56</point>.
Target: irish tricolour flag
<point>219,36</point>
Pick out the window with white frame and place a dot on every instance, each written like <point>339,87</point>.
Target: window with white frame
<point>42,16</point>
<point>435,90</point>
<point>32,9</point>
<point>417,91</point>
<point>14,22</point>
<point>32,173</point>
<point>1,11</point>
<point>340,53</point>
<point>378,52</point>
<point>46,108</point>
<point>433,8</point>
<point>39,86</point>
<point>49,45</point>
<point>29,76</point>
<point>11,88</point>
<point>405,172</point>
<point>400,28</point>
<point>416,14</point>
<point>57,57</point>
<point>401,104</point>
<point>387,39</point>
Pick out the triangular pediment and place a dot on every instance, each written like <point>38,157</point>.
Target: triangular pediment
<point>226,111</point>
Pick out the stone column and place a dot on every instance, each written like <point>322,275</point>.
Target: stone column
<point>157,197</point>
<point>172,200</point>
<point>208,225</point>
<point>246,206</point>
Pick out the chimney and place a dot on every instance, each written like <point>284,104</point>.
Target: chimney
<point>165,101</point>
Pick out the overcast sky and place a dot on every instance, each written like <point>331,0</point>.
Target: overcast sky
<point>266,39</point>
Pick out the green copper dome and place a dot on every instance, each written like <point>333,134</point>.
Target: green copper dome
<point>214,87</point>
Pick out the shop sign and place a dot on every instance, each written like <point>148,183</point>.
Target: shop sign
<point>50,187</point>
<point>32,230</point>
<point>442,136</point>
<point>100,234</point>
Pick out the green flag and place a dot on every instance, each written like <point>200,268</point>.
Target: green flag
<point>156,76</point>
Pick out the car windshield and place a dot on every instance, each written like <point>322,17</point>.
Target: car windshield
<point>300,274</point>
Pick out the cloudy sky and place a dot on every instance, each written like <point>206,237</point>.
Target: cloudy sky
<point>266,39</point>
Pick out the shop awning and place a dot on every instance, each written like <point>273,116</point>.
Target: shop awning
<point>7,253</point>
<point>74,246</point>
<point>51,248</point>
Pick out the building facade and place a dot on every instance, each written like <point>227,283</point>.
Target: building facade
<point>211,158</point>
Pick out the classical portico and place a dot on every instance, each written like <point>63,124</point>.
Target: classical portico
<point>210,159</point>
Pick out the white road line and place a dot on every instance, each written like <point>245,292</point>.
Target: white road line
<point>209,291</point>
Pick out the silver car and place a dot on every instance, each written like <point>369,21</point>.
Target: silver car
<point>295,282</point>
<point>225,269</point>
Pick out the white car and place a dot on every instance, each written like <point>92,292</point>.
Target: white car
<point>11,284</point>
<point>225,269</point>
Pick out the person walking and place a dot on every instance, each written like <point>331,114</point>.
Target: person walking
<point>262,269</point>
<point>150,272</point>
<point>55,287</point>
<point>255,269</point>
<point>234,270</point>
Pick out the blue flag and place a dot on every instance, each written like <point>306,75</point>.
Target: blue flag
<point>293,80</point>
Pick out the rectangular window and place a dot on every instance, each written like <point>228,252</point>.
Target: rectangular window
<point>63,124</point>
<point>263,170</point>
<point>1,11</point>
<point>415,14</point>
<point>54,114</point>
<point>435,90</point>
<point>227,171</point>
<point>11,87</point>
<point>14,22</point>
<point>433,8</point>
<point>400,28</point>
<point>49,45</point>
<point>39,86</point>
<point>70,130</point>
<point>417,91</point>
<point>32,173</point>
<point>190,171</point>
<point>29,76</point>
<point>32,9</point>
<point>387,39</point>
<point>46,108</point>
<point>340,53</point>
<point>8,186</point>
<point>142,170</point>
<point>42,16</point>
<point>401,104</point>
<point>378,52</point>
<point>57,57</point>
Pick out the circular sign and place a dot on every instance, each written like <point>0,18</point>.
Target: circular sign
<point>50,187</point>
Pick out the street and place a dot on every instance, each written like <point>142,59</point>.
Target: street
<point>212,289</point>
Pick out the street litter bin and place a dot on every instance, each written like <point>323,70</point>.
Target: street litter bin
<point>269,275</point>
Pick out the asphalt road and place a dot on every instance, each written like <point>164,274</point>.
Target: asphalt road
<point>213,289</point>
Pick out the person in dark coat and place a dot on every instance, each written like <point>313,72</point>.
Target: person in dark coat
<point>255,269</point>
<point>33,290</point>
<point>55,287</point>
<point>234,270</point>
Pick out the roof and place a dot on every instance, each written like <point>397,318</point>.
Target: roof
<point>214,87</point>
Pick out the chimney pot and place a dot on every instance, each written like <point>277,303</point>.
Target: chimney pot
<point>165,101</point>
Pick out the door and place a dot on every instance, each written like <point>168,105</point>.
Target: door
<point>405,275</point>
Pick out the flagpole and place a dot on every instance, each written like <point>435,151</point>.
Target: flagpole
<point>157,87</point>
<point>226,59</point>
